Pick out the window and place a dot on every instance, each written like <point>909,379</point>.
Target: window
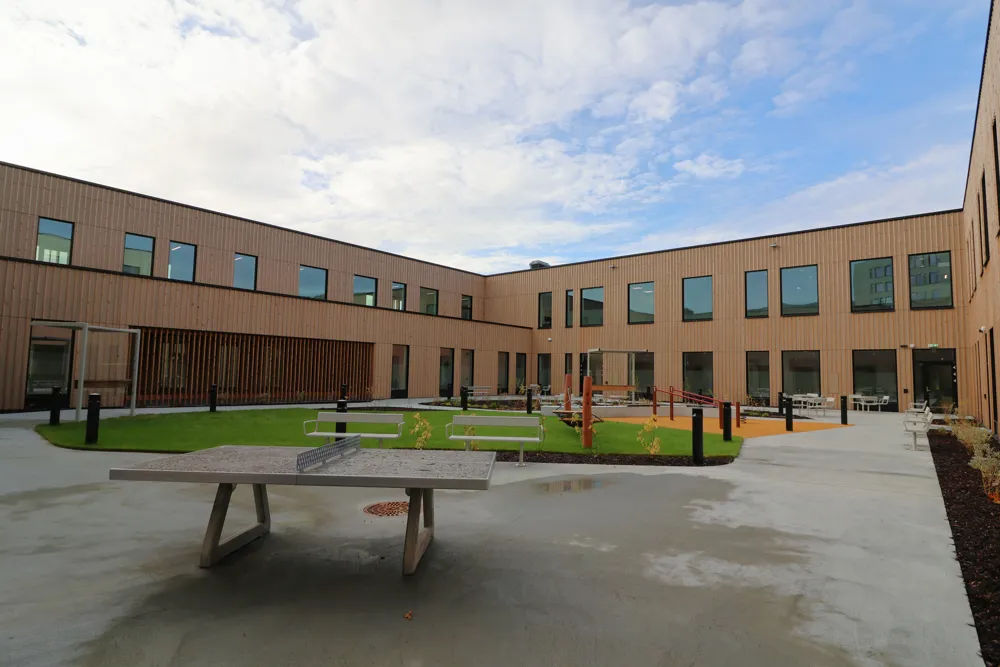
<point>365,291</point>
<point>697,299</point>
<point>799,291</point>
<point>592,307</point>
<point>759,377</point>
<point>644,376</point>
<point>181,261</point>
<point>698,376</point>
<point>312,282</point>
<point>756,293</point>
<point>399,296</point>
<point>545,310</point>
<point>446,372</point>
<point>875,375</point>
<point>55,241</point>
<point>569,309</point>
<point>640,303</point>
<point>520,371</point>
<point>466,307</point>
<point>545,373</point>
<point>568,364</point>
<point>244,271</point>
<point>503,372</point>
<point>926,270</point>
<point>996,167</point>
<point>428,301</point>
<point>138,260</point>
<point>871,285</point>
<point>800,372</point>
<point>399,387</point>
<point>986,224</point>
<point>468,377</point>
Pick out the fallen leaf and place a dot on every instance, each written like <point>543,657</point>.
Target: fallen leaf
<point>408,615</point>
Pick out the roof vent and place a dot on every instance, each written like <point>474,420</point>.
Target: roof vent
<point>538,264</point>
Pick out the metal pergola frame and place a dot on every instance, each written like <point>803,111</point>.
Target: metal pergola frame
<point>631,359</point>
<point>86,328</point>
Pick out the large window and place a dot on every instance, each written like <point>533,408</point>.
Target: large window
<point>569,309</point>
<point>446,372</point>
<point>568,365</point>
<point>800,290</point>
<point>138,260</point>
<point>875,375</point>
<point>644,375</point>
<point>592,307</point>
<point>244,271</point>
<point>468,377</point>
<point>871,285</point>
<point>697,299</point>
<point>400,371</point>
<point>640,303</point>
<point>986,224</point>
<point>545,310</point>
<point>312,282</point>
<point>759,377</point>
<point>55,241</point>
<point>545,373</point>
<point>365,291</point>
<point>503,372</point>
<point>935,378</point>
<point>930,280</point>
<point>800,372</point>
<point>466,307</point>
<point>399,296</point>
<point>181,261</point>
<point>698,375</point>
<point>520,371</point>
<point>756,293</point>
<point>428,301</point>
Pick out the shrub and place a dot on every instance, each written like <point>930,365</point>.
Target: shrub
<point>986,460</point>
<point>647,436</point>
<point>422,429</point>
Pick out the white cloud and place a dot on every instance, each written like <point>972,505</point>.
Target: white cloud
<point>711,166</point>
<point>659,103</point>
<point>767,56</point>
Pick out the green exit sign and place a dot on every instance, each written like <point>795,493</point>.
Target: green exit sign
<point>932,345</point>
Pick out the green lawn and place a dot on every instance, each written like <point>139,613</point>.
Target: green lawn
<point>189,431</point>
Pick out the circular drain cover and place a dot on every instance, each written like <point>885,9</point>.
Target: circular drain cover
<point>389,508</point>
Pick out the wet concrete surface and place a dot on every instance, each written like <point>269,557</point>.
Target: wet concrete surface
<point>813,551</point>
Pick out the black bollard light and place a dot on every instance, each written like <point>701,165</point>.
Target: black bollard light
<point>213,397</point>
<point>788,414</point>
<point>727,421</point>
<point>343,392</point>
<point>843,410</point>
<point>93,419</point>
<point>529,399</point>
<point>463,393</point>
<point>341,427</point>
<point>55,406</point>
<point>698,436</point>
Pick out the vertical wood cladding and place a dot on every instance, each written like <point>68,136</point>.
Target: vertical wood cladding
<point>178,367</point>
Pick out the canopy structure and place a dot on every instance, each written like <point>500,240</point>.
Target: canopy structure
<point>85,328</point>
<point>613,370</point>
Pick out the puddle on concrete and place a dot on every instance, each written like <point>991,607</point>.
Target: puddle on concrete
<point>572,485</point>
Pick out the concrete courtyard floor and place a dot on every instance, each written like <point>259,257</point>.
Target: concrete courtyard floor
<point>822,548</point>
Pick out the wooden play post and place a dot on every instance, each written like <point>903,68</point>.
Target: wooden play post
<point>568,393</point>
<point>737,414</point>
<point>671,403</point>
<point>588,435</point>
<point>654,401</point>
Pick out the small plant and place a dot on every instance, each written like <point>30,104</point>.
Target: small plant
<point>647,436</point>
<point>986,460</point>
<point>970,434</point>
<point>471,430</point>
<point>422,429</point>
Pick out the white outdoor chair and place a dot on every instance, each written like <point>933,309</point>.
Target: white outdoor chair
<point>884,402</point>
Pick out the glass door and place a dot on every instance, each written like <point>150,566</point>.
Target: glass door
<point>446,381</point>
<point>503,372</point>
<point>935,379</point>
<point>400,371</point>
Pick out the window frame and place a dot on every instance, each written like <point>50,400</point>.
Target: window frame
<point>539,313</point>
<point>326,283</point>
<point>152,253</point>
<point>819,369</point>
<point>984,220</point>
<point>850,269</point>
<point>437,301</point>
<point>568,306</point>
<point>194,262</point>
<point>255,261</point>
<point>684,317</point>
<point>628,303</point>
<point>767,294</point>
<point>354,294</point>
<point>461,312</point>
<point>72,239</point>
<point>392,296</point>
<point>582,290</point>
<point>951,280</point>
<point>996,170</point>
<point>781,290</point>
<point>746,365</point>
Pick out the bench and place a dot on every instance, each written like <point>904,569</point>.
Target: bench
<point>324,426</point>
<point>917,422</point>
<point>480,390</point>
<point>507,422</point>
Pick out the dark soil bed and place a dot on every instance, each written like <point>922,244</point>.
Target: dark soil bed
<point>612,459</point>
<point>975,527</point>
<point>512,405</point>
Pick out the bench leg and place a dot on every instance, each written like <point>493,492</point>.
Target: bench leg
<point>211,550</point>
<point>520,457</point>
<point>418,540</point>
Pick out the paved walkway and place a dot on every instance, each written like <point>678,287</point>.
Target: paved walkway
<point>823,549</point>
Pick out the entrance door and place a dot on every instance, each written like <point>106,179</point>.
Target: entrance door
<point>48,367</point>
<point>400,371</point>
<point>935,378</point>
<point>446,381</point>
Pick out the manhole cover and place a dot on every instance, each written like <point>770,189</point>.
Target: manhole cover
<point>390,508</point>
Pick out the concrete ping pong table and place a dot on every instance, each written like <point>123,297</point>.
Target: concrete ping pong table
<point>337,464</point>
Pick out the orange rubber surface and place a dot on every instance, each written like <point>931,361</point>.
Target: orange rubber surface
<point>752,428</point>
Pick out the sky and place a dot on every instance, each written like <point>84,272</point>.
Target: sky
<point>483,134</point>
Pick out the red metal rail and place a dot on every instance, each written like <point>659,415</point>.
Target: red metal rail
<point>681,396</point>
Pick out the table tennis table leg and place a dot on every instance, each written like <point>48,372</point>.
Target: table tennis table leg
<point>417,540</point>
<point>211,550</point>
